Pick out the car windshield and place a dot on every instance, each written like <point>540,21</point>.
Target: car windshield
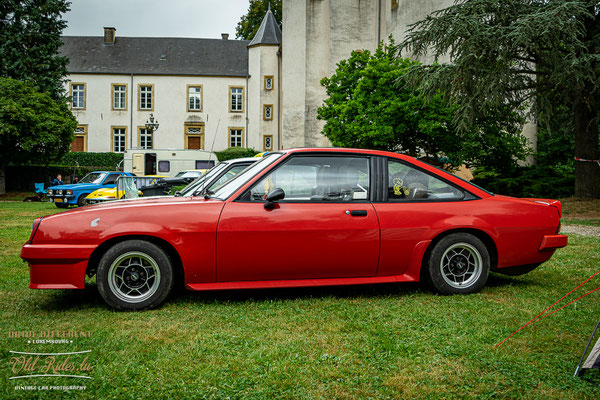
<point>93,177</point>
<point>228,188</point>
<point>196,184</point>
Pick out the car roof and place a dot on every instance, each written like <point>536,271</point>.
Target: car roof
<point>244,159</point>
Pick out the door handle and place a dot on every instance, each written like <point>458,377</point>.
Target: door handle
<point>357,213</point>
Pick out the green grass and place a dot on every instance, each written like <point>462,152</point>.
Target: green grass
<point>357,342</point>
<point>575,221</point>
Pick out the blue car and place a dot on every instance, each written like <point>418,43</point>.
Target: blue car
<point>69,195</point>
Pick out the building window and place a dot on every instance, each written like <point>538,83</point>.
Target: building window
<point>268,111</point>
<point>80,141</point>
<point>194,136</point>
<point>236,99</point>
<point>119,96</point>
<point>268,142</point>
<point>146,139</point>
<point>194,98</point>
<point>146,100</point>
<point>268,82</point>
<point>236,137</point>
<point>119,138</point>
<point>78,95</point>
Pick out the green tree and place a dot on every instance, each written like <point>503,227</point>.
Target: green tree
<point>29,41</point>
<point>249,23</point>
<point>515,52</point>
<point>370,105</point>
<point>33,125</point>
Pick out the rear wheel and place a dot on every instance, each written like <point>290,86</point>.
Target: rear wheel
<point>135,275</point>
<point>459,264</point>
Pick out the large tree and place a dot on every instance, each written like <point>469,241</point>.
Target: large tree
<point>33,125</point>
<point>249,23</point>
<point>519,52</point>
<point>29,41</point>
<point>370,105</point>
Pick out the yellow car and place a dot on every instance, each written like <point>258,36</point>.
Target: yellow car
<point>109,194</point>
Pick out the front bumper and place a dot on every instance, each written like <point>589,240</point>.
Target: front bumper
<point>53,266</point>
<point>62,199</point>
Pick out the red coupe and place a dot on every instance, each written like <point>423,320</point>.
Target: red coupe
<point>302,217</point>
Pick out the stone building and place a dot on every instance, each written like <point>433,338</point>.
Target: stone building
<point>205,93</point>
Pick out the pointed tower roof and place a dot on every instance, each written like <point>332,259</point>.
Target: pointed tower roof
<point>268,32</point>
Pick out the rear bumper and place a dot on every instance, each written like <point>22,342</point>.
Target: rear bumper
<point>551,242</point>
<point>57,266</point>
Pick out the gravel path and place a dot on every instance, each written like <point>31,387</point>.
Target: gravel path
<point>593,231</point>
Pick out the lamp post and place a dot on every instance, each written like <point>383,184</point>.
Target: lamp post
<point>151,124</point>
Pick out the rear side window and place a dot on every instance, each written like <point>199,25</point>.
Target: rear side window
<point>406,183</point>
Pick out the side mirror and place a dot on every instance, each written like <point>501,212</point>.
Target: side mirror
<point>274,196</point>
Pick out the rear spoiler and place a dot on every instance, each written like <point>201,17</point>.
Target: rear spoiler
<point>554,203</point>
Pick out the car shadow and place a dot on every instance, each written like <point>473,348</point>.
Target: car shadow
<point>89,298</point>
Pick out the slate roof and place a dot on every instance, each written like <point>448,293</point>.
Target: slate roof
<point>132,55</point>
<point>268,32</point>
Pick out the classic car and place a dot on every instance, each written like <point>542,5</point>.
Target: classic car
<point>110,193</point>
<point>75,194</point>
<point>216,176</point>
<point>325,217</point>
<point>190,174</point>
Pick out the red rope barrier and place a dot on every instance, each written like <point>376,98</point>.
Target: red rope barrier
<point>556,302</point>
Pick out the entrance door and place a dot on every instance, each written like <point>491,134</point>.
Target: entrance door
<point>150,164</point>
<point>325,227</point>
<point>138,164</point>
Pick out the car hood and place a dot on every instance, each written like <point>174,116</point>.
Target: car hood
<point>75,186</point>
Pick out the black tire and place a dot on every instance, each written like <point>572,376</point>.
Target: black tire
<point>458,264</point>
<point>81,200</point>
<point>134,275</point>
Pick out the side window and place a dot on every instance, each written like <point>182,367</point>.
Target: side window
<point>408,183</point>
<point>111,179</point>
<point>318,179</point>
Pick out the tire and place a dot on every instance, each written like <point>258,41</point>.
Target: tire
<point>458,264</point>
<point>124,276</point>
<point>81,200</point>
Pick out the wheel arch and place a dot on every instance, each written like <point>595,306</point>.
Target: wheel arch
<point>481,235</point>
<point>162,243</point>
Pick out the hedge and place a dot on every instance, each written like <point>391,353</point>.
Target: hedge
<point>235,152</point>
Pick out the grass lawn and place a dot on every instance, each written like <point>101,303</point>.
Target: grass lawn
<point>357,342</point>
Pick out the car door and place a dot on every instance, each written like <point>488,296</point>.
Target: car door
<point>325,227</point>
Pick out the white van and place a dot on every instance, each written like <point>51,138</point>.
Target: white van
<point>167,162</point>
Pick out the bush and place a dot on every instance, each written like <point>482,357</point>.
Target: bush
<point>106,160</point>
<point>235,152</point>
<point>532,181</point>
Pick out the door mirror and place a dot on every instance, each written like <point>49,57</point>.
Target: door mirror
<point>274,196</point>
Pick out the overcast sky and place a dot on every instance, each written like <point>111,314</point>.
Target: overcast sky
<point>155,18</point>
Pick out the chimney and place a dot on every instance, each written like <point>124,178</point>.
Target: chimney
<point>224,36</point>
<point>109,35</point>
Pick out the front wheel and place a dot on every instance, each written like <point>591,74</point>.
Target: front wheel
<point>459,264</point>
<point>81,200</point>
<point>135,275</point>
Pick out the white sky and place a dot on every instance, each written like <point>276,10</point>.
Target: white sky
<point>155,18</point>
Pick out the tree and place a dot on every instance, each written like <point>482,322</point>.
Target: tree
<point>29,42</point>
<point>370,105</point>
<point>515,52</point>
<point>33,125</point>
<point>249,23</point>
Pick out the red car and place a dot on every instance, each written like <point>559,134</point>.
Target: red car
<point>302,217</point>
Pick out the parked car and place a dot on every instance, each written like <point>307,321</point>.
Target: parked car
<point>216,176</point>
<point>324,217</point>
<point>75,194</point>
<point>110,194</point>
<point>190,174</point>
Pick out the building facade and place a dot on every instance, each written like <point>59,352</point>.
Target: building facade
<point>206,94</point>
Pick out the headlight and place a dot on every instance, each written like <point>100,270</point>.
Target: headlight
<point>49,192</point>
<point>68,192</point>
<point>59,192</point>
